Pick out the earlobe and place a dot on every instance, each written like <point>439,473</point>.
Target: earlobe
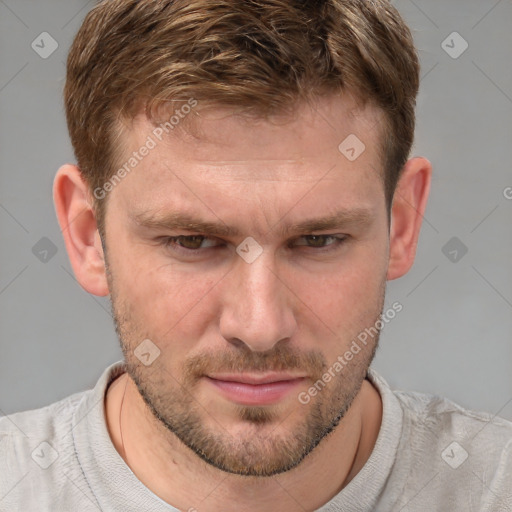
<point>78,225</point>
<point>409,204</point>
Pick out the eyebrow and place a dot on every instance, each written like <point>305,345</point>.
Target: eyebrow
<point>187,222</point>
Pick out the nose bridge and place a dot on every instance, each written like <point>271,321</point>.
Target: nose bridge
<point>259,282</point>
<point>257,309</point>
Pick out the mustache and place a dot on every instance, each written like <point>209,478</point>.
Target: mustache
<point>279,358</point>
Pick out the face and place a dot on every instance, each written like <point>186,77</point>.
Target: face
<point>247,311</point>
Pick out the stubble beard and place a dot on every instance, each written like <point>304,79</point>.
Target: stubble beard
<point>261,452</point>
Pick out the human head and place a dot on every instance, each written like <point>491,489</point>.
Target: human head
<point>291,308</point>
<point>261,59</point>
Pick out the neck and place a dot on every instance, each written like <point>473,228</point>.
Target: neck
<point>178,476</point>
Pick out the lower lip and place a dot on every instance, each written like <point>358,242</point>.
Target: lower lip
<point>255,394</point>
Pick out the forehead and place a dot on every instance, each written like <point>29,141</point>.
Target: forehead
<point>216,135</point>
<point>230,152</point>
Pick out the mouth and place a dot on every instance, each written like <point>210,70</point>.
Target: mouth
<point>254,389</point>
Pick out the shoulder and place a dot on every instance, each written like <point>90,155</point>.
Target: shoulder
<point>39,464</point>
<point>44,431</point>
<point>427,415</point>
<point>454,455</point>
<point>26,435</point>
<point>45,420</point>
<point>54,422</point>
<point>432,415</point>
<point>37,457</point>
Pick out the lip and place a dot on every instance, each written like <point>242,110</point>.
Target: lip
<point>251,378</point>
<point>247,389</point>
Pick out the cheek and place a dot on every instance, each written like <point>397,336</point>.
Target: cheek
<point>346,297</point>
<point>167,297</point>
<point>163,297</point>
<point>172,310</point>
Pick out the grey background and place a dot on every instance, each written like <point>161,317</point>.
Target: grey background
<point>453,337</point>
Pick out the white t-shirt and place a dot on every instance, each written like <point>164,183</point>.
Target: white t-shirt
<point>430,455</point>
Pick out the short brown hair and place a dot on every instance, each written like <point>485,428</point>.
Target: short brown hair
<point>259,57</point>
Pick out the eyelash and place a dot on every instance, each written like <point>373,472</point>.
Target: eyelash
<point>170,241</point>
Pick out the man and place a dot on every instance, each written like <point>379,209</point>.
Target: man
<point>243,192</point>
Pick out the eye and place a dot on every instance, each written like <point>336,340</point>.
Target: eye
<point>193,244</point>
<point>189,243</point>
<point>318,242</point>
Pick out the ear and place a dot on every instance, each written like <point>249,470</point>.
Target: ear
<point>409,203</point>
<point>78,225</point>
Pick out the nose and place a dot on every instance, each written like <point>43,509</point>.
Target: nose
<point>257,306</point>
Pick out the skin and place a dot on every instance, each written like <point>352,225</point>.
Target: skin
<point>294,307</point>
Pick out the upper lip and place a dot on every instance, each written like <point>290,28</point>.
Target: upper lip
<point>251,378</point>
